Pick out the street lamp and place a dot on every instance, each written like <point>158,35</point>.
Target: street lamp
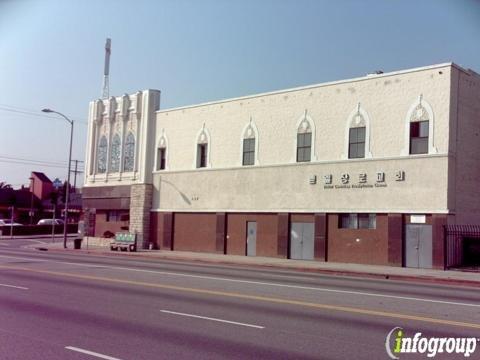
<point>68,175</point>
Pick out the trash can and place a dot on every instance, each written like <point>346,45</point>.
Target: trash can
<point>77,243</point>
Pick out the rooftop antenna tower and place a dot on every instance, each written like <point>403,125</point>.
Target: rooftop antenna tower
<point>106,69</point>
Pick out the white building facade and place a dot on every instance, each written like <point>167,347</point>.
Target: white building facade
<point>367,170</point>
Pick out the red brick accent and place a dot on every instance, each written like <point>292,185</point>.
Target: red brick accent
<point>438,241</point>
<point>371,249</point>
<point>395,239</point>
<point>195,232</point>
<point>283,235</point>
<point>267,234</point>
<point>221,231</point>
<point>321,237</point>
<point>102,225</point>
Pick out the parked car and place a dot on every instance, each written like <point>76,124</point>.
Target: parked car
<point>50,222</point>
<point>5,222</point>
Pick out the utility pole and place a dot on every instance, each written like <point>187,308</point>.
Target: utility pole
<point>76,172</point>
<point>32,179</point>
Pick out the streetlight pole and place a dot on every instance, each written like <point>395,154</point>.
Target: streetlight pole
<point>68,175</point>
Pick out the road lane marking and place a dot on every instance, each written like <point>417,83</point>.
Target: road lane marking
<point>212,319</point>
<point>14,286</point>
<point>88,352</point>
<point>360,293</point>
<point>255,297</point>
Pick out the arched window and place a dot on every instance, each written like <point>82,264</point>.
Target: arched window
<point>202,147</point>
<point>305,144</point>
<point>357,136</point>
<point>304,141</point>
<point>419,129</point>
<point>102,155</point>
<point>129,154</point>
<point>115,154</point>
<point>249,146</point>
<point>356,142</point>
<point>162,154</point>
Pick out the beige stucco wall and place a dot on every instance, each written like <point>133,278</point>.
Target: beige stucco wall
<point>465,162</point>
<point>384,99</point>
<point>444,181</point>
<point>288,188</point>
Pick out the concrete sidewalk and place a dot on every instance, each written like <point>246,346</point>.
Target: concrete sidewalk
<point>451,277</point>
<point>34,237</point>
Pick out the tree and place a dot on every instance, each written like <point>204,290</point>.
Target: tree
<point>4,185</point>
<point>54,199</point>
<point>63,193</point>
<point>11,198</point>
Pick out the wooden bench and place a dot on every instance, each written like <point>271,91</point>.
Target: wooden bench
<point>124,242</point>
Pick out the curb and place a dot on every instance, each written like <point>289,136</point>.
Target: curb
<point>348,273</point>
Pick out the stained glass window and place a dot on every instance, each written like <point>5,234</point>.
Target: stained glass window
<point>129,154</point>
<point>115,154</point>
<point>102,155</point>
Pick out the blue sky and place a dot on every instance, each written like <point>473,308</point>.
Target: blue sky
<point>51,55</point>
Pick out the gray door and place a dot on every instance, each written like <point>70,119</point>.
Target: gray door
<point>301,241</point>
<point>418,246</point>
<point>251,238</point>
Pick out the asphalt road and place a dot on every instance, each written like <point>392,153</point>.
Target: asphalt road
<point>80,306</point>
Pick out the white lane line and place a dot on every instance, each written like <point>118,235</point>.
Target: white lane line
<point>213,319</point>
<point>15,287</point>
<point>83,351</point>
<point>360,293</point>
<point>24,258</point>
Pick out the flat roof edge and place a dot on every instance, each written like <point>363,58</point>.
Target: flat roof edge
<point>306,87</point>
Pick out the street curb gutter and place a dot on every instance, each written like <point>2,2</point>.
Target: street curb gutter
<point>349,273</point>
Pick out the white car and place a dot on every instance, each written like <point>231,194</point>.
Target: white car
<point>4,222</point>
<point>50,222</point>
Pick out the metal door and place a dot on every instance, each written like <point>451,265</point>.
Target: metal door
<point>301,241</point>
<point>307,241</point>
<point>296,230</point>
<point>251,238</point>
<point>418,246</point>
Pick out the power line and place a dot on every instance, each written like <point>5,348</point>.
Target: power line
<point>33,164</point>
<point>64,163</point>
<point>30,163</point>
<point>39,161</point>
<point>32,113</point>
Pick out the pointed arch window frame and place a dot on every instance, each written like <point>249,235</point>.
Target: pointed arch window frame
<point>162,143</point>
<point>359,110</point>
<point>209,147</point>
<point>253,126</point>
<point>313,131</point>
<point>431,127</point>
